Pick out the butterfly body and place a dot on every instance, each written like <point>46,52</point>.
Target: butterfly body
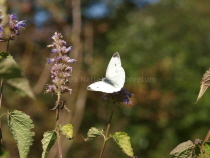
<point>115,77</point>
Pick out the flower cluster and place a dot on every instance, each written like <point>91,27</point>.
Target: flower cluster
<point>60,71</point>
<point>14,26</point>
<point>117,97</point>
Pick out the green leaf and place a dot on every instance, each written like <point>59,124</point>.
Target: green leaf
<point>48,141</point>
<point>67,131</point>
<point>206,150</point>
<point>204,84</point>
<point>123,140</point>
<point>4,55</point>
<point>10,71</point>
<point>92,133</point>
<point>20,125</point>
<point>184,150</point>
<point>22,86</point>
<point>5,154</point>
<point>8,67</point>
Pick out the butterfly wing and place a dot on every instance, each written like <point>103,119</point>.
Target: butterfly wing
<point>115,73</point>
<point>115,77</point>
<point>102,87</point>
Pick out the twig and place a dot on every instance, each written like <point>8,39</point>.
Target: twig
<point>56,106</point>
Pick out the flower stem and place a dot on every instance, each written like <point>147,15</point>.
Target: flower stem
<point>57,123</point>
<point>107,131</point>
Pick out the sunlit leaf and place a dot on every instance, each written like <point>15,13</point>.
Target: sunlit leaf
<point>20,126</point>
<point>207,149</point>
<point>92,133</point>
<point>48,141</point>
<point>184,150</point>
<point>67,130</point>
<point>8,67</point>
<point>22,86</point>
<point>123,140</point>
<point>204,84</point>
<point>10,71</point>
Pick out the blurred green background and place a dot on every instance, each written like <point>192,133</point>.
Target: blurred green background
<point>165,43</point>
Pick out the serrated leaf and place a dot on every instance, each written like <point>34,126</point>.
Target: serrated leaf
<point>67,130</point>
<point>22,86</point>
<point>207,150</point>
<point>49,139</point>
<point>8,67</point>
<point>184,150</point>
<point>92,133</point>
<point>20,126</point>
<point>205,82</point>
<point>123,140</point>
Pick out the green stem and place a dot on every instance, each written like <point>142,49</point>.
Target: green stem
<point>107,131</point>
<point>57,123</point>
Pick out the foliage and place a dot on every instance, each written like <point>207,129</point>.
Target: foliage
<point>123,140</point>
<point>67,130</point>
<point>8,67</point>
<point>204,84</point>
<point>10,71</point>
<point>20,126</point>
<point>48,141</point>
<point>167,42</point>
<point>184,150</point>
<point>189,149</point>
<point>93,132</point>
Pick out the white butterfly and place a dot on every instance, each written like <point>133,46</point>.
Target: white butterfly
<point>115,77</point>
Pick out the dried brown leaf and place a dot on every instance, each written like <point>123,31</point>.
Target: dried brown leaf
<point>205,83</point>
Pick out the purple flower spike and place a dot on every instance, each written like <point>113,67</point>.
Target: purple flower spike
<point>117,97</point>
<point>54,51</point>
<point>14,26</point>
<point>69,49</point>
<point>1,29</point>
<point>13,16</point>
<point>21,24</point>
<point>60,71</point>
<point>71,61</point>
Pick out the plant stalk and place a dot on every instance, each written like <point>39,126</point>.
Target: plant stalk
<point>107,131</point>
<point>57,123</point>
<point>1,91</point>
